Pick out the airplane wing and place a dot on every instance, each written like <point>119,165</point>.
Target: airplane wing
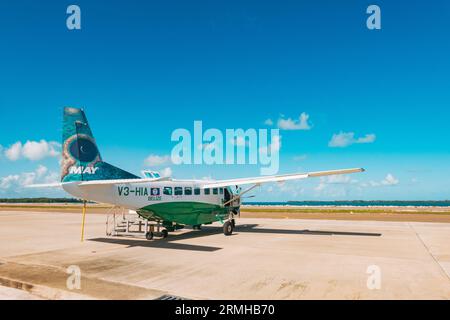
<point>211,184</point>
<point>277,178</point>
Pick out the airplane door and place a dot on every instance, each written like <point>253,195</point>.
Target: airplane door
<point>226,197</point>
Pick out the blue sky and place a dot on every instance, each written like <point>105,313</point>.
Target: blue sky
<point>144,68</point>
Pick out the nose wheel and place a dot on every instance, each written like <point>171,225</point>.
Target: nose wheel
<point>228,227</point>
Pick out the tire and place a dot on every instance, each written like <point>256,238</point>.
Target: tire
<point>227,228</point>
<point>149,235</point>
<point>164,233</point>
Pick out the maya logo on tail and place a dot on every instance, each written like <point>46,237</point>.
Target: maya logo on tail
<point>82,170</point>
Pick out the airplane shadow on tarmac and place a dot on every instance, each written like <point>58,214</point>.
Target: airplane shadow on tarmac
<point>251,228</point>
<point>169,243</point>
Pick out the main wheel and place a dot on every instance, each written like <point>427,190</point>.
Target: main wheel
<point>164,233</point>
<point>227,228</point>
<point>149,235</point>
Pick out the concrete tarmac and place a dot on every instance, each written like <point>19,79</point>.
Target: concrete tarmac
<point>263,259</point>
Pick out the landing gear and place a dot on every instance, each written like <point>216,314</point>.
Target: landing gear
<point>197,227</point>
<point>160,232</point>
<point>163,234</point>
<point>228,228</point>
<point>149,235</point>
<point>233,223</point>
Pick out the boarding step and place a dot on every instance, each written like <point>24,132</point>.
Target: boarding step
<point>122,222</point>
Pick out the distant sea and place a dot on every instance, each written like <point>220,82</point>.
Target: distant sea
<point>357,203</point>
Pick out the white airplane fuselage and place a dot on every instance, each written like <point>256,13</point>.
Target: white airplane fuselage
<point>183,202</point>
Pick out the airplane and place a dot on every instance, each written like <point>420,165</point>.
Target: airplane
<point>170,203</point>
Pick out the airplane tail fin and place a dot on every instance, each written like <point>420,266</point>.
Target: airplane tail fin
<point>81,160</point>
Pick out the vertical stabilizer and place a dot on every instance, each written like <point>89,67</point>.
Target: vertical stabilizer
<point>81,160</point>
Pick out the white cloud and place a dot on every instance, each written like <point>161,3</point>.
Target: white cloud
<point>16,182</point>
<point>339,178</point>
<point>320,187</point>
<point>368,138</point>
<point>6,182</point>
<point>291,188</point>
<point>14,151</point>
<point>276,143</point>
<point>268,122</point>
<point>166,172</point>
<point>390,180</point>
<point>41,171</point>
<point>155,160</point>
<point>323,189</point>
<point>52,177</point>
<point>33,150</point>
<point>345,139</point>
<point>27,178</point>
<point>292,124</point>
<point>335,185</point>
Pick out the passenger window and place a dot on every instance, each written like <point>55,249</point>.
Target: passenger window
<point>188,191</point>
<point>168,191</point>
<point>207,191</point>
<point>178,191</point>
<point>215,191</point>
<point>221,190</point>
<point>197,191</point>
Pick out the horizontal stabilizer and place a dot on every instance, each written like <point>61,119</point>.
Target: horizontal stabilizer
<point>119,181</point>
<point>45,185</point>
